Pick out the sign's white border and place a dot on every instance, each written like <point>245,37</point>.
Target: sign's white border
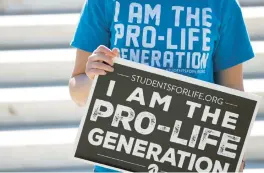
<point>172,75</point>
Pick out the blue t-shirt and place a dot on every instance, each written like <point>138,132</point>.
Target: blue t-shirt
<point>191,37</point>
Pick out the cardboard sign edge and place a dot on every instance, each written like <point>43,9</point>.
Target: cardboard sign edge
<point>183,78</point>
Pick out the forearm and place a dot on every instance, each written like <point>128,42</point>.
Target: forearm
<point>79,87</point>
<point>237,85</point>
<point>231,78</point>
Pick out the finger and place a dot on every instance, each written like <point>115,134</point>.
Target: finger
<point>116,52</point>
<point>101,58</point>
<point>102,66</point>
<point>92,72</point>
<point>105,50</point>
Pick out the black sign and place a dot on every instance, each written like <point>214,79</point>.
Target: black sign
<point>143,119</point>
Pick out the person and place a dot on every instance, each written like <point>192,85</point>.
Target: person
<point>203,39</point>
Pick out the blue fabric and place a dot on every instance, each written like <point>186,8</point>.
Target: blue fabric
<point>191,37</point>
<point>103,169</point>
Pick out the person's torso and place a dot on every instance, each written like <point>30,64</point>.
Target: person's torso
<point>175,35</point>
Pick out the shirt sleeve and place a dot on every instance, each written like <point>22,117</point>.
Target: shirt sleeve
<point>233,46</point>
<point>93,28</point>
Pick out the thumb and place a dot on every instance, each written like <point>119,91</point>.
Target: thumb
<point>116,52</point>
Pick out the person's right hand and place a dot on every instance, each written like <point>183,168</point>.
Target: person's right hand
<point>101,61</point>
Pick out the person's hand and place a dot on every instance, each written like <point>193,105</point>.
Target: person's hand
<point>242,167</point>
<point>101,61</point>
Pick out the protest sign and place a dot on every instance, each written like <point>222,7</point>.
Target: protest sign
<point>143,119</point>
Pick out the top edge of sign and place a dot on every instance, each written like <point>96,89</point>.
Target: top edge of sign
<point>183,78</point>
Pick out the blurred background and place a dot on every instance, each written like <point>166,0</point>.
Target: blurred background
<point>38,121</point>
